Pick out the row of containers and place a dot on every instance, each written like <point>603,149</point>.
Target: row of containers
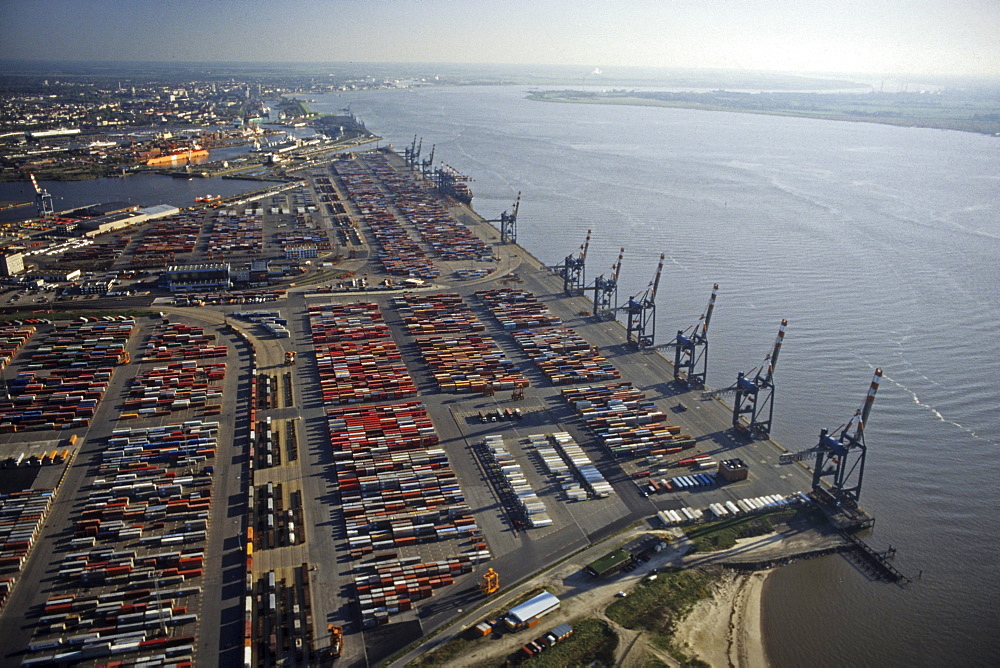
<point>560,354</point>
<point>12,338</point>
<point>138,542</point>
<point>140,537</point>
<point>517,486</point>
<point>391,584</point>
<point>557,467</point>
<point>233,235</point>
<point>421,207</point>
<point>450,339</point>
<point>177,341</point>
<point>62,381</point>
<point>683,515</point>
<point>356,359</point>
<point>396,487</point>
<point>164,240</point>
<point>758,504</point>
<point>581,465</point>
<point>625,421</point>
<point>177,386</point>
<point>22,515</point>
<point>399,254</point>
<point>260,296</point>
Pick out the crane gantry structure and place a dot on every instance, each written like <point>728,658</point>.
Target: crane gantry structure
<point>573,270</point>
<point>691,348</point>
<point>640,310</point>
<point>755,393</point>
<point>606,291</point>
<point>508,223</point>
<point>841,453</point>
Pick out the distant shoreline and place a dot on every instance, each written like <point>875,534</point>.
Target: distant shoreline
<point>884,109</point>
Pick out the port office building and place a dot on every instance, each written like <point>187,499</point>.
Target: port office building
<point>197,277</point>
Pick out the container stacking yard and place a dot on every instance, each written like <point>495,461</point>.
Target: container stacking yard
<point>427,404</point>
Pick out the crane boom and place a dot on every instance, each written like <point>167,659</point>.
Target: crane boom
<point>773,357</point>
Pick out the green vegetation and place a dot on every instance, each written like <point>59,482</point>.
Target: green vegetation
<point>593,643</point>
<point>442,654</point>
<point>723,534</point>
<point>961,110</point>
<point>657,606</point>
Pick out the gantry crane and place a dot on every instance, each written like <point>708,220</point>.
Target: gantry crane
<point>841,454</point>
<point>412,153</point>
<point>755,393</point>
<point>427,166</point>
<point>508,223</point>
<point>573,270</point>
<point>43,200</point>
<point>641,311</point>
<point>691,348</point>
<point>490,582</point>
<point>606,291</point>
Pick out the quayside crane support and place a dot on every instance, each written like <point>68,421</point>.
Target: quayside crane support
<point>508,223</point>
<point>640,310</point>
<point>755,393</point>
<point>691,347</point>
<point>606,291</point>
<point>841,453</point>
<point>573,270</point>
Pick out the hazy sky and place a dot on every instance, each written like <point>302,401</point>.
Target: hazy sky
<point>840,36</point>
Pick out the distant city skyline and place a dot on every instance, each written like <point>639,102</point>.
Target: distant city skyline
<point>893,37</point>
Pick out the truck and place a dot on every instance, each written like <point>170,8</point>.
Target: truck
<point>336,640</point>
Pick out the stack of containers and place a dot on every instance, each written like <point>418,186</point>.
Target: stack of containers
<point>164,240</point>
<point>625,421</point>
<point>179,341</point>
<point>390,586</point>
<point>517,309</point>
<point>235,235</point>
<point>555,465</point>
<point>356,371</point>
<point>357,360</point>
<point>450,239</point>
<point>21,516</point>
<point>176,386</point>
<point>581,464</point>
<point>85,344</point>
<point>12,337</point>
<point>469,363</point>
<point>564,356</point>
<point>440,313</point>
<point>63,399</point>
<point>346,322</point>
<point>532,507</point>
<point>394,490</point>
<point>399,254</point>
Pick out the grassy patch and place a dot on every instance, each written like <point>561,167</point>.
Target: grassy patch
<point>723,534</point>
<point>442,654</point>
<point>593,643</point>
<point>657,606</point>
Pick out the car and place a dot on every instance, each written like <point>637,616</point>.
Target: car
<point>621,594</point>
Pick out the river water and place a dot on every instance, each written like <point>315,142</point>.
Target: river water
<point>879,245</point>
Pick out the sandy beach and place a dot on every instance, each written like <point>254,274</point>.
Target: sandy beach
<point>725,630</point>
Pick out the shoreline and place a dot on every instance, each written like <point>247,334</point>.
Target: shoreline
<point>726,629</point>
